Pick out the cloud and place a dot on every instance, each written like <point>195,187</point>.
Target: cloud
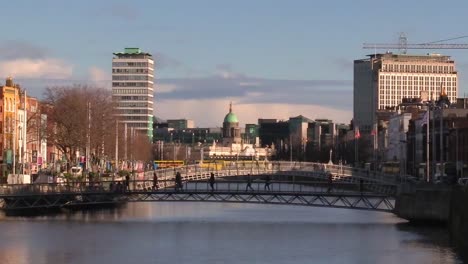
<point>164,61</point>
<point>225,71</point>
<point>211,112</point>
<point>335,93</point>
<point>206,99</point>
<point>165,88</point>
<point>36,68</point>
<point>15,49</point>
<point>99,77</point>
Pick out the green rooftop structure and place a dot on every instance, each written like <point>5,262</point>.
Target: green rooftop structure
<point>131,51</point>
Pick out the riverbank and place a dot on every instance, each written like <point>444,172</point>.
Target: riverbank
<point>458,221</point>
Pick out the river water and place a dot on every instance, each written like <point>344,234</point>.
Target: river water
<point>189,232</point>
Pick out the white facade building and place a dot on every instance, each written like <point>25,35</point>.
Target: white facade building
<point>397,128</point>
<point>133,89</point>
<point>383,80</point>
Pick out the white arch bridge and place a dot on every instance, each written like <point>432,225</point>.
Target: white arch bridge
<point>289,183</point>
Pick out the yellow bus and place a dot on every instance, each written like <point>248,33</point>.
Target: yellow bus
<point>164,164</point>
<point>212,164</point>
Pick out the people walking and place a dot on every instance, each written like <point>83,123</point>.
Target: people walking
<point>267,182</point>
<point>212,181</point>
<point>178,182</point>
<point>155,181</point>
<point>249,183</point>
<point>127,182</point>
<point>330,182</point>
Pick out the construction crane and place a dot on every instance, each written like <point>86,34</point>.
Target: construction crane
<point>403,45</point>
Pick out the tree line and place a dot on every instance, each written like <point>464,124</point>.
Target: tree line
<point>78,111</point>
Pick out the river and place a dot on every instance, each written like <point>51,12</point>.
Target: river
<point>189,232</point>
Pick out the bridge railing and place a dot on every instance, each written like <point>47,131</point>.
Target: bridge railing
<point>198,173</point>
<point>169,186</point>
<point>235,168</point>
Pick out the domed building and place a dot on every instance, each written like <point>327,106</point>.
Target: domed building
<point>231,129</point>
<point>232,146</point>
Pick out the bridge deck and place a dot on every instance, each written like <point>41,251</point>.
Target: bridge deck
<point>342,195</point>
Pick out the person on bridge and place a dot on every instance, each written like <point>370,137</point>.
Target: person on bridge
<point>249,183</point>
<point>127,182</point>
<point>178,182</point>
<point>330,182</point>
<point>212,181</point>
<point>155,181</point>
<point>267,182</point>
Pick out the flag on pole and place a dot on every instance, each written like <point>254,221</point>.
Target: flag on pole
<point>424,118</point>
<point>357,135</point>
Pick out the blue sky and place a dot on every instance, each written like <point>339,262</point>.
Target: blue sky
<point>282,56</point>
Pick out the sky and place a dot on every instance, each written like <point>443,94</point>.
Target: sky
<point>271,58</point>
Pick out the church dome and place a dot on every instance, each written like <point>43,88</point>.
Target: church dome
<point>231,117</point>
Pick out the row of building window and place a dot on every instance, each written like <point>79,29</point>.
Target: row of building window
<point>398,89</point>
<point>411,83</point>
<point>132,84</point>
<point>131,78</point>
<point>415,78</point>
<point>417,68</point>
<point>138,125</point>
<point>136,111</point>
<point>133,118</point>
<point>132,98</point>
<point>123,104</point>
<point>133,71</point>
<point>130,64</point>
<point>412,93</point>
<point>131,91</point>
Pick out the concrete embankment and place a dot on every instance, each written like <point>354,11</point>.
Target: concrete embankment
<point>436,204</point>
<point>425,204</point>
<point>458,221</point>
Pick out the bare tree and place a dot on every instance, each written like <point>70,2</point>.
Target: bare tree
<point>68,124</point>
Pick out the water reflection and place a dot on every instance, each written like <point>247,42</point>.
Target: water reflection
<point>220,233</point>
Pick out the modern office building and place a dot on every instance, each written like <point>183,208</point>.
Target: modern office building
<point>383,80</point>
<point>180,123</point>
<point>133,89</point>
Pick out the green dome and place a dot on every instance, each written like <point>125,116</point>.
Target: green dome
<point>231,118</point>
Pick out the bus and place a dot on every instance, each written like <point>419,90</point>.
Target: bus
<point>164,164</point>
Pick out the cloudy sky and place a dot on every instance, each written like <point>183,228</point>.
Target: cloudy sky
<point>271,58</point>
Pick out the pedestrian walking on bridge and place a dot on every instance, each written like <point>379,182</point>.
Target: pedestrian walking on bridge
<point>212,181</point>
<point>267,183</point>
<point>178,182</point>
<point>127,182</point>
<point>330,182</point>
<point>249,183</point>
